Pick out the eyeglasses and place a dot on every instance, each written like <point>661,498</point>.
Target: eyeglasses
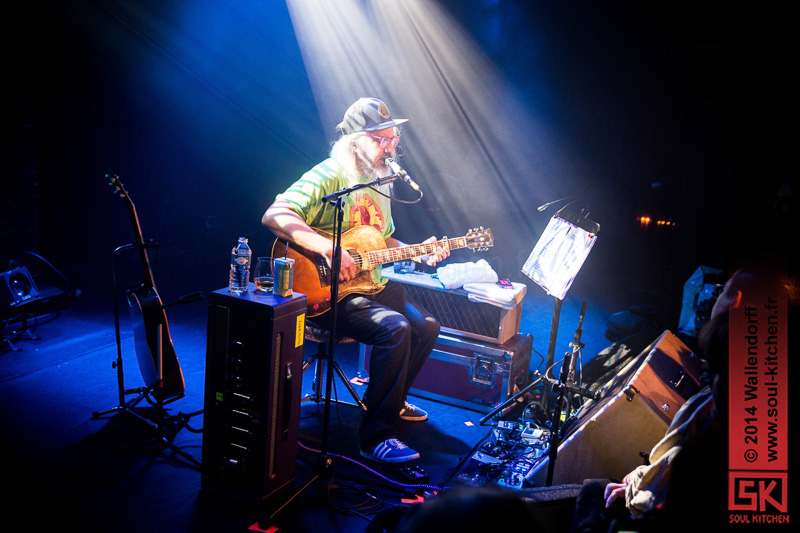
<point>385,141</point>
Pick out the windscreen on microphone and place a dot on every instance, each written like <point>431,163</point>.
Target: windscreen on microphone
<point>394,167</point>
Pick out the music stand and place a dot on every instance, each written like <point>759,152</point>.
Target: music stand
<point>553,265</point>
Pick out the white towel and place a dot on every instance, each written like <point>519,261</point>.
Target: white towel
<point>494,294</point>
<point>455,275</point>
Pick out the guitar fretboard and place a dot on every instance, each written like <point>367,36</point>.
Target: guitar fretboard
<point>403,253</point>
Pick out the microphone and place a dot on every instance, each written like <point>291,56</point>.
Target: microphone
<point>579,330</point>
<point>397,169</point>
<point>586,393</point>
<point>576,342</point>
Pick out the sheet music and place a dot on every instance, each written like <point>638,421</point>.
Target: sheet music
<point>558,256</point>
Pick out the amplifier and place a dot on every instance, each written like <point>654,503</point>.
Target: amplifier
<point>632,415</point>
<point>254,371</point>
<point>455,312</point>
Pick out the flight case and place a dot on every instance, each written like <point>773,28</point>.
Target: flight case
<point>469,373</point>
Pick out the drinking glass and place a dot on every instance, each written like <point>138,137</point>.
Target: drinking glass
<point>263,275</point>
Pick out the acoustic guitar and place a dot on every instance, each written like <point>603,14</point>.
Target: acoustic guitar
<point>147,314</point>
<point>368,249</point>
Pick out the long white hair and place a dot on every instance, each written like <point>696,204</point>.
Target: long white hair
<point>342,152</point>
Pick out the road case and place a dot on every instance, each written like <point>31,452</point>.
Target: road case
<point>469,373</point>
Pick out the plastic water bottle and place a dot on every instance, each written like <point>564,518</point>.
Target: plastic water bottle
<point>240,267</point>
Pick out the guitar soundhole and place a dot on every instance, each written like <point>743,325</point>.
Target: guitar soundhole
<point>357,258</point>
<point>323,271</point>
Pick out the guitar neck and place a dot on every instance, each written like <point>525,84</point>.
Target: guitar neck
<point>403,253</point>
<point>137,229</point>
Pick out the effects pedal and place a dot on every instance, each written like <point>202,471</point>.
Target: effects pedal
<point>514,475</point>
<point>411,475</point>
<point>504,432</point>
<point>535,436</point>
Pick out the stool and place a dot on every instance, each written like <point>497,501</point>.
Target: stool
<point>320,336</point>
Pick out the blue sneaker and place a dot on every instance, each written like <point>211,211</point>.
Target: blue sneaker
<point>391,451</point>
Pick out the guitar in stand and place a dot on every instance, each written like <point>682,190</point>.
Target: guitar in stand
<point>148,317</point>
<point>158,362</point>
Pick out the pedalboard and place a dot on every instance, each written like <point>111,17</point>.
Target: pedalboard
<point>507,455</point>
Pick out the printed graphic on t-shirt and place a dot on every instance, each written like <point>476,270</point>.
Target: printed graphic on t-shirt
<point>365,211</point>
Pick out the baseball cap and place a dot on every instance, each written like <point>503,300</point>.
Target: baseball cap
<point>368,114</point>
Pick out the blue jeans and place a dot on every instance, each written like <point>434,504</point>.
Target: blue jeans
<point>402,335</point>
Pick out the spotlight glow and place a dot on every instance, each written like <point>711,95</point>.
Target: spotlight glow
<point>475,147</point>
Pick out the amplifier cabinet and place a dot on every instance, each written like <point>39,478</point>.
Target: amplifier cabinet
<point>254,360</point>
<point>455,312</point>
<point>633,413</point>
<point>471,374</point>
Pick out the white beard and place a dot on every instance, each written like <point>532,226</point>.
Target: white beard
<point>370,169</point>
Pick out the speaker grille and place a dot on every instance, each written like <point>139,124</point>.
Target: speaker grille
<point>455,311</point>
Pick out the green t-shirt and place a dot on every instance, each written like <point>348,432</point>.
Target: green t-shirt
<point>365,206</point>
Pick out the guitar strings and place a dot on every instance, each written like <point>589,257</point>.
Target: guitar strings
<point>398,254</point>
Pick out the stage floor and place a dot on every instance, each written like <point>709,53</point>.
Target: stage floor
<point>70,469</point>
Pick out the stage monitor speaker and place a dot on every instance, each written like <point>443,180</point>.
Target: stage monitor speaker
<point>631,416</point>
<point>17,287</point>
<point>254,360</point>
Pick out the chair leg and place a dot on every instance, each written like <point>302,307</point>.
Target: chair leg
<point>319,360</point>
<point>349,386</point>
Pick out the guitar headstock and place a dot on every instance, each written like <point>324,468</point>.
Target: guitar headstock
<point>479,239</point>
<point>116,184</point>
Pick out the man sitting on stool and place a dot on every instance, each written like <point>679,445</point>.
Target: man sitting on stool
<point>402,334</point>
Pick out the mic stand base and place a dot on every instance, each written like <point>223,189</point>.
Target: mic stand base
<point>511,400</point>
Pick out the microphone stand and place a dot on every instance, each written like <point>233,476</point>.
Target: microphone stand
<point>325,462</point>
<point>562,387</point>
<point>336,265</point>
<point>550,357</point>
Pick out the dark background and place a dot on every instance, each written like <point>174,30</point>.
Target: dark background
<point>671,109</point>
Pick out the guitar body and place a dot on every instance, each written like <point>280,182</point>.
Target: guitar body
<point>312,273</point>
<point>368,248</point>
<point>146,314</point>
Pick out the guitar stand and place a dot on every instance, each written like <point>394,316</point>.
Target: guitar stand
<point>123,405</point>
<point>179,421</point>
<point>166,425</point>
<point>161,421</point>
